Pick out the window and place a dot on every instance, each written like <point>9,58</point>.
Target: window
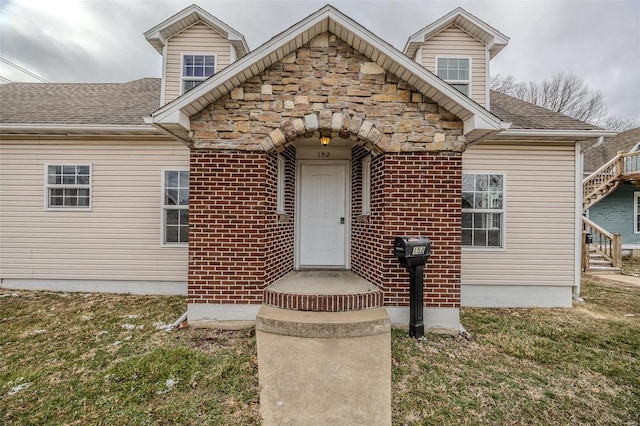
<point>455,71</point>
<point>366,185</point>
<point>175,207</point>
<point>68,187</point>
<point>280,190</point>
<point>196,69</point>
<point>636,212</point>
<point>482,210</point>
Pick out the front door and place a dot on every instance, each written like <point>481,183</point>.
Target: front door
<point>323,219</point>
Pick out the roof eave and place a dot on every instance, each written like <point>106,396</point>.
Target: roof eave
<point>157,37</point>
<point>76,129</point>
<point>493,38</point>
<point>554,135</point>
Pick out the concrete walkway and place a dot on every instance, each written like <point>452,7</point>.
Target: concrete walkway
<point>627,279</point>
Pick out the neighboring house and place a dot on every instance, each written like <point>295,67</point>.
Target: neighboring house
<point>93,198</point>
<point>617,210</point>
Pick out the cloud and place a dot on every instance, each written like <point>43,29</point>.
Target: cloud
<point>101,40</point>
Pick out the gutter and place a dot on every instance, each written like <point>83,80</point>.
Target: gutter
<point>76,129</point>
<point>590,134</point>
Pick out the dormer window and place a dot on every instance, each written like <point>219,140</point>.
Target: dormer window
<point>196,69</point>
<point>455,71</point>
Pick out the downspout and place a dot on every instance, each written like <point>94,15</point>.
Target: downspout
<point>180,320</point>
<point>578,225</point>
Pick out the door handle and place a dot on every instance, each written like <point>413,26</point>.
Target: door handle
<point>342,221</point>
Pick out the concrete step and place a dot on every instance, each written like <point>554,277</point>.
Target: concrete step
<point>602,270</point>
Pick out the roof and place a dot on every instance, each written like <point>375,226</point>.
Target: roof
<point>174,117</point>
<point>79,103</point>
<point>525,115</point>
<point>159,34</point>
<point>125,104</point>
<point>492,38</point>
<point>598,154</point>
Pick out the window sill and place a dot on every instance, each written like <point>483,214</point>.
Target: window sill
<point>483,249</point>
<point>363,218</point>
<point>174,245</point>
<point>283,217</point>
<point>68,209</point>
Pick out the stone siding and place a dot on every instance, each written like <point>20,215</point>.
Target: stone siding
<point>328,88</point>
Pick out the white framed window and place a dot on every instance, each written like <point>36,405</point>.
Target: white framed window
<point>196,69</point>
<point>175,207</point>
<point>68,186</point>
<point>280,183</point>
<point>456,72</point>
<point>636,212</point>
<point>483,210</point>
<point>366,185</point>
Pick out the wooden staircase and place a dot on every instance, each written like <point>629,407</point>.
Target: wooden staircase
<point>603,254</point>
<point>623,167</point>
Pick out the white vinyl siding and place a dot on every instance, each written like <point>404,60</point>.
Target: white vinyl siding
<point>118,240</point>
<point>198,39</point>
<point>539,218</point>
<point>453,42</point>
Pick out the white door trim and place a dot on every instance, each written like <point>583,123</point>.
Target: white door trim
<point>347,208</point>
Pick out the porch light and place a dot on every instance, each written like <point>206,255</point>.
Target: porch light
<point>324,140</point>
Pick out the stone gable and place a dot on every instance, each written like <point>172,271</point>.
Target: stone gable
<point>326,88</point>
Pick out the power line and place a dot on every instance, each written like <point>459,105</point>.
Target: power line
<point>5,80</point>
<point>19,68</point>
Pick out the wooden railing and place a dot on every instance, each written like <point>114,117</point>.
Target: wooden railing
<point>607,244</point>
<point>606,178</point>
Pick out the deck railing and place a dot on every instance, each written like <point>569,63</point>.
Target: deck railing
<point>603,242</point>
<point>599,183</point>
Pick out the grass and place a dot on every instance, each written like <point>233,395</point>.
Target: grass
<point>631,266</point>
<point>108,359</point>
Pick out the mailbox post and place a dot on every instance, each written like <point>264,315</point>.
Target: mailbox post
<point>413,252</point>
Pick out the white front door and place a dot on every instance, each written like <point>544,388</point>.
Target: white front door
<point>323,219</point>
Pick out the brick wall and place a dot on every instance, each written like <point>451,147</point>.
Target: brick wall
<point>279,232</point>
<point>238,244</point>
<point>412,194</point>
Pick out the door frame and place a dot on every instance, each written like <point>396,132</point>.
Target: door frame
<point>347,209</point>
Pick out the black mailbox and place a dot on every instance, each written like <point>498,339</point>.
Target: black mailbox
<point>413,252</point>
<point>588,238</point>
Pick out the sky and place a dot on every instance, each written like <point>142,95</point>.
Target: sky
<point>102,40</point>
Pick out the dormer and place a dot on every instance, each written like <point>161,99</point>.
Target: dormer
<point>458,48</point>
<point>194,45</point>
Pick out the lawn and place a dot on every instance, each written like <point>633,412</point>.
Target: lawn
<point>109,359</point>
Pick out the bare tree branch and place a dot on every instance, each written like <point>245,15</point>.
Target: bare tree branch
<point>565,93</point>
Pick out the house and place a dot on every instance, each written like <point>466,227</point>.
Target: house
<point>312,151</point>
<point>612,198</point>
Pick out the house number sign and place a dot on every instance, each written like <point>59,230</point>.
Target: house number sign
<point>419,250</point>
<point>324,154</point>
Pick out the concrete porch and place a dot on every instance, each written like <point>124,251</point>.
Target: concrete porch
<point>323,290</point>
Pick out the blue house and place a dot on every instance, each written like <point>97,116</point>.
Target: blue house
<point>612,189</point>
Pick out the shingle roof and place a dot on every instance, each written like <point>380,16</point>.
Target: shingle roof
<point>79,103</point>
<point>127,103</point>
<point>596,156</point>
<point>524,115</point>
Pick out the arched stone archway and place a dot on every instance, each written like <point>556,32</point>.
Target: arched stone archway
<point>327,123</point>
